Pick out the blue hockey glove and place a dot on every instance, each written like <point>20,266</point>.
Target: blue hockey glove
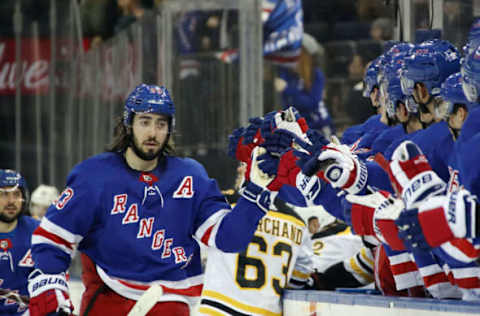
<point>308,155</point>
<point>253,131</point>
<point>278,141</point>
<point>233,141</point>
<point>410,230</point>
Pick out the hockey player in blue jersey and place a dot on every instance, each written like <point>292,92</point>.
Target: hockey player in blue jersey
<point>456,212</point>
<point>135,213</point>
<point>15,240</point>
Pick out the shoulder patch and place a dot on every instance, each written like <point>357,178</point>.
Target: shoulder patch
<point>66,196</point>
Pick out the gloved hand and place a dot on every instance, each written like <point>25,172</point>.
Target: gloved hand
<point>412,176</point>
<point>48,294</point>
<point>256,189</point>
<point>374,215</point>
<point>278,141</point>
<point>243,140</point>
<point>439,219</point>
<point>235,139</point>
<point>309,152</point>
<point>252,134</point>
<point>344,170</point>
<point>285,171</point>
<point>289,120</point>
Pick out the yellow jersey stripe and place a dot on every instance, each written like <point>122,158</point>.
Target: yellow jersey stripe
<point>204,310</point>
<point>363,254</point>
<point>237,304</point>
<point>359,271</point>
<point>299,275</point>
<point>345,232</point>
<point>286,217</point>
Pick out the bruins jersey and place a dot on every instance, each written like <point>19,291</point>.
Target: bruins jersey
<point>334,244</point>
<point>252,282</point>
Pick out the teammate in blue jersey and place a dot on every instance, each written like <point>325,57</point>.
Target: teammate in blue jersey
<point>135,213</point>
<point>15,240</point>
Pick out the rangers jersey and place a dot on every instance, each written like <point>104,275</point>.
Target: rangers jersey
<point>16,262</point>
<point>252,282</point>
<point>139,228</point>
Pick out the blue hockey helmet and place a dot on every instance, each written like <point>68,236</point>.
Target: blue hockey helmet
<point>399,48</point>
<point>11,178</point>
<point>452,93</point>
<point>430,63</point>
<point>471,75</point>
<point>149,99</point>
<point>370,78</point>
<point>391,77</point>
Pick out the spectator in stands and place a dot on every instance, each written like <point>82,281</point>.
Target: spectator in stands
<point>42,197</point>
<point>382,29</point>
<point>303,87</point>
<point>313,224</point>
<point>357,108</point>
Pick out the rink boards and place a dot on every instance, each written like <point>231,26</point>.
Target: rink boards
<point>322,303</point>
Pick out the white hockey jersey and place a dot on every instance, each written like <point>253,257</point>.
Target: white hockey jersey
<point>252,282</point>
<point>334,244</point>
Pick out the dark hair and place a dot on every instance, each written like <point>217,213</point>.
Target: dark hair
<point>311,218</point>
<point>122,138</point>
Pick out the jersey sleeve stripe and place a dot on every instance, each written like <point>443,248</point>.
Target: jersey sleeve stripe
<point>366,257</point>
<point>39,239</point>
<point>206,236</point>
<point>214,220</point>
<point>60,231</point>
<point>207,310</point>
<point>53,238</point>
<point>365,266</point>
<point>359,271</point>
<point>458,252</point>
<point>216,296</point>
<point>299,275</point>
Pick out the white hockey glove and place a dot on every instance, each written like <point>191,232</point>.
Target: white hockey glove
<point>256,189</point>
<point>291,121</point>
<point>48,294</point>
<point>344,170</point>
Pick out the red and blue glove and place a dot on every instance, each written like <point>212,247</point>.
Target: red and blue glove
<point>412,176</point>
<point>440,219</point>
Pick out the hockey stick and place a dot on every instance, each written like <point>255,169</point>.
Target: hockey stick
<point>146,301</point>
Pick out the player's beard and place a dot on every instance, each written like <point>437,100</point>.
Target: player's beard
<point>10,219</point>
<point>148,156</point>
